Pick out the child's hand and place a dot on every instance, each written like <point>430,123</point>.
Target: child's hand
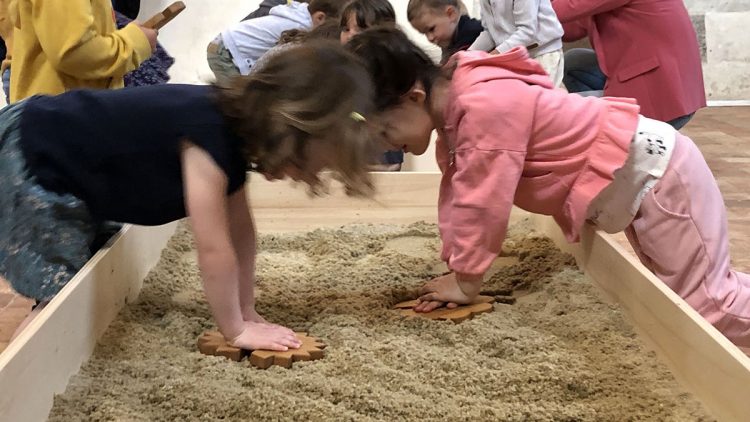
<point>256,335</point>
<point>151,34</point>
<point>449,291</point>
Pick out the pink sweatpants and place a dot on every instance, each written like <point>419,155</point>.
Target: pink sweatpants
<point>680,234</point>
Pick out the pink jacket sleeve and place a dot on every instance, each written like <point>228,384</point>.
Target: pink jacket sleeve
<point>480,176</point>
<point>569,10</point>
<point>575,30</point>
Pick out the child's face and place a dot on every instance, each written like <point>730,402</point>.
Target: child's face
<point>351,28</point>
<point>407,126</point>
<point>438,25</point>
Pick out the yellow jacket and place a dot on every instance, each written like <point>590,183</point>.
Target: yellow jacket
<point>6,32</point>
<point>67,44</point>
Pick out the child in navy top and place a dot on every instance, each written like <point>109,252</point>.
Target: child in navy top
<point>155,154</point>
<point>445,24</point>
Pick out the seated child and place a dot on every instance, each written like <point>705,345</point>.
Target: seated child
<point>444,25</point>
<point>356,17</point>
<point>235,51</point>
<point>359,15</point>
<point>63,45</point>
<point>154,154</point>
<point>154,70</point>
<point>508,137</point>
<point>294,37</point>
<point>523,23</point>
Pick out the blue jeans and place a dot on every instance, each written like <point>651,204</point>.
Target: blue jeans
<point>6,84</point>
<point>582,72</point>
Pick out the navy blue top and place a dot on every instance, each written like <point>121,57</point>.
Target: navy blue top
<point>119,150</point>
<point>467,30</point>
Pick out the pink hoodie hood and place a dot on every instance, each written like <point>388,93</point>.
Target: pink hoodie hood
<point>515,64</point>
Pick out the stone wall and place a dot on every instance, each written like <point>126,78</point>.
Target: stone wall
<point>721,26</point>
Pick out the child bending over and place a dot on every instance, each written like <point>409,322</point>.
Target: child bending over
<point>507,136</point>
<point>523,23</point>
<point>235,51</point>
<point>444,24</point>
<point>155,154</point>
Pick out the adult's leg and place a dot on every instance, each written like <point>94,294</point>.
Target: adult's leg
<point>679,122</point>
<point>680,233</point>
<point>582,72</point>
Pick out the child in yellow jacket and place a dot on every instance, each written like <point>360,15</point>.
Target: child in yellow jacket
<point>63,45</point>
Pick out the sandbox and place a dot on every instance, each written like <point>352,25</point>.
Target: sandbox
<point>495,366</point>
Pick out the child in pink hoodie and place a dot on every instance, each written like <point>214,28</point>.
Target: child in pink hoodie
<point>506,137</point>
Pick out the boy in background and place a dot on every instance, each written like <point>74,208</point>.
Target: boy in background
<point>523,23</point>
<point>445,23</point>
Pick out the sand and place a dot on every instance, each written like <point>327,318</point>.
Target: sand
<point>560,353</point>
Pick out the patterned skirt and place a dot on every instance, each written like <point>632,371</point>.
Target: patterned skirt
<point>45,237</point>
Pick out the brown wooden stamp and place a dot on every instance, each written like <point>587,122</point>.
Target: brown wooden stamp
<point>212,343</point>
<point>481,305</point>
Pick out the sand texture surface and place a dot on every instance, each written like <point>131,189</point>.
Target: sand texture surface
<point>559,353</point>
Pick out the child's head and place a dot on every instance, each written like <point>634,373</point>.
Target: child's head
<point>320,10</point>
<point>326,31</point>
<point>436,19</point>
<point>403,77</point>
<point>303,112</point>
<point>362,14</point>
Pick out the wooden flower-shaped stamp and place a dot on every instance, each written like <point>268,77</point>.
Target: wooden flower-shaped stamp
<point>213,343</point>
<point>311,349</point>
<point>461,313</point>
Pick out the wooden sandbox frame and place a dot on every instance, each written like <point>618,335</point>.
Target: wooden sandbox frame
<point>39,363</point>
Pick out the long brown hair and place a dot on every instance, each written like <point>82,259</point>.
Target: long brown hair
<point>314,92</point>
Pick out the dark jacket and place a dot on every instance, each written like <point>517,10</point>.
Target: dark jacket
<point>467,30</point>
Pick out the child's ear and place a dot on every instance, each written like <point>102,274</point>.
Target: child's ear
<point>417,94</point>
<point>452,13</point>
<point>318,18</point>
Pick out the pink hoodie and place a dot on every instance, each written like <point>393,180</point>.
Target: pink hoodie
<point>511,138</point>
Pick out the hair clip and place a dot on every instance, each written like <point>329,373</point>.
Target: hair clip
<point>358,117</point>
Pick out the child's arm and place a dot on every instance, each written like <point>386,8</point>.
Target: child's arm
<point>484,41</point>
<point>242,229</point>
<point>67,35</point>
<point>570,10</point>
<point>480,178</point>
<point>525,19</point>
<point>205,187</point>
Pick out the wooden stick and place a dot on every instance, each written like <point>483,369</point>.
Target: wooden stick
<point>160,19</point>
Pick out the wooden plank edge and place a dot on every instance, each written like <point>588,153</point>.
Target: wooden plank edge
<point>701,358</point>
<point>40,361</point>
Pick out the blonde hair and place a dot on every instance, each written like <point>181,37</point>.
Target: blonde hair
<point>415,7</point>
<point>314,92</point>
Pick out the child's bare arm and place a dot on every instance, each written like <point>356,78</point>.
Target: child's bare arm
<point>242,228</point>
<point>205,187</point>
<point>205,199</point>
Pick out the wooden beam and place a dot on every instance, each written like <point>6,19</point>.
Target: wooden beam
<point>39,362</point>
